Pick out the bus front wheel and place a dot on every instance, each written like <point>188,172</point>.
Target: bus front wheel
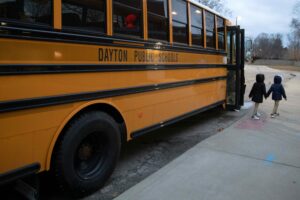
<point>87,153</point>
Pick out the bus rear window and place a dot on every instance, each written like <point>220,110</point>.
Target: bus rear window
<point>30,11</point>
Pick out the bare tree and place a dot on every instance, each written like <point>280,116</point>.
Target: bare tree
<point>218,5</point>
<point>296,10</point>
<point>268,46</point>
<point>294,36</point>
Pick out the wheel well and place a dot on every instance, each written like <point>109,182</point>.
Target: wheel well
<point>86,152</point>
<point>110,110</point>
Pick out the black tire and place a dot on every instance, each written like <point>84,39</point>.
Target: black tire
<point>87,153</point>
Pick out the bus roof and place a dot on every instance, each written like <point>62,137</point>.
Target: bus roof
<point>207,8</point>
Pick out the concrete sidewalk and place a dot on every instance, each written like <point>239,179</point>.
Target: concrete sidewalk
<point>255,160</point>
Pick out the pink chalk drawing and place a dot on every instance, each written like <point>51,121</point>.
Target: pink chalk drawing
<point>251,124</point>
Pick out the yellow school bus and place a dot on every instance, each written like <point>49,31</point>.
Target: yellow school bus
<point>80,77</point>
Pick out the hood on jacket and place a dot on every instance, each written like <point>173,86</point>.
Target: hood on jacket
<point>260,78</point>
<point>277,80</point>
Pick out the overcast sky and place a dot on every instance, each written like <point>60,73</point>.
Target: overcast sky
<point>269,16</point>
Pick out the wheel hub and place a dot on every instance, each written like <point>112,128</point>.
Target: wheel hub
<point>85,152</point>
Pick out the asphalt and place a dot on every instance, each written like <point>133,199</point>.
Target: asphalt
<point>252,159</point>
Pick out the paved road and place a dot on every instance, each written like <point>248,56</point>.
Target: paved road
<point>249,160</point>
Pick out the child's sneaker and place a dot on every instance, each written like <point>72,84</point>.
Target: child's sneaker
<point>273,115</point>
<point>255,117</point>
<point>258,114</point>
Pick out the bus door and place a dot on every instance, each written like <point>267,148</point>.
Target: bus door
<point>235,65</point>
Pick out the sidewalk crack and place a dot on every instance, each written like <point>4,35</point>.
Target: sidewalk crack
<point>254,158</point>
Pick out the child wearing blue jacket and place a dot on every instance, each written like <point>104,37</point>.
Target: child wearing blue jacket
<point>278,92</point>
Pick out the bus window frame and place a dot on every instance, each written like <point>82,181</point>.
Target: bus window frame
<point>68,29</point>
<point>141,39</point>
<point>224,32</point>
<point>159,16</point>
<point>214,31</point>
<point>187,26</point>
<point>33,25</point>
<point>191,25</point>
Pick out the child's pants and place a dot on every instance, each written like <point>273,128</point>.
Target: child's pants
<point>255,109</point>
<point>276,104</point>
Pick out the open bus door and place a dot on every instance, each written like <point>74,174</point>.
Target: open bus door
<point>236,63</point>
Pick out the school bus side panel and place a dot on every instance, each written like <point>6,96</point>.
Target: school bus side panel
<point>28,135</point>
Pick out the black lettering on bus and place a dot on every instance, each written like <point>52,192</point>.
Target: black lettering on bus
<point>138,56</point>
<point>115,53</point>
<point>100,54</point>
<point>105,55</point>
<point>142,58</point>
<point>135,55</point>
<point>125,56</point>
<point>111,51</point>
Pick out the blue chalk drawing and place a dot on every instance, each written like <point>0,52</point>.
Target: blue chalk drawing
<point>270,158</point>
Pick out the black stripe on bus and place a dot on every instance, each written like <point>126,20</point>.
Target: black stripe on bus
<point>81,38</point>
<point>149,129</point>
<point>21,172</point>
<point>15,105</point>
<point>65,68</point>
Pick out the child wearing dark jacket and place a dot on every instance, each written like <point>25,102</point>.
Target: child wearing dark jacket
<point>278,92</point>
<point>257,93</point>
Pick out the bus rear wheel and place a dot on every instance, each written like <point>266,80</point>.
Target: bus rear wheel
<point>87,153</point>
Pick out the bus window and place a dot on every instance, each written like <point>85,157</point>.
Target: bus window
<point>158,19</point>
<point>84,15</point>
<point>210,30</point>
<point>197,26</point>
<point>30,11</point>
<point>127,18</point>
<point>179,14</point>
<point>221,33</point>
<point>231,45</point>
